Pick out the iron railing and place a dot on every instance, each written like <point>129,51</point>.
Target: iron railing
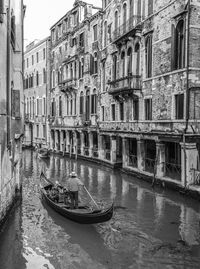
<point>149,165</point>
<point>126,27</point>
<point>133,160</point>
<point>128,82</point>
<point>107,154</point>
<point>173,170</point>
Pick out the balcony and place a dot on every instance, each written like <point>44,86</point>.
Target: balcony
<point>125,85</point>
<point>130,26</point>
<point>68,85</point>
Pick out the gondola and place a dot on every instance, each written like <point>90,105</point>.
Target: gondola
<point>83,214</point>
<point>43,153</point>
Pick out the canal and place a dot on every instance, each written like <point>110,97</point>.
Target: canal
<point>151,228</point>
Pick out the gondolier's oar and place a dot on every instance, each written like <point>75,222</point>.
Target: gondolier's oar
<point>91,197</point>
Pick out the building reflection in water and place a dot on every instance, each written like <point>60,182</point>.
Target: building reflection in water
<point>153,211</point>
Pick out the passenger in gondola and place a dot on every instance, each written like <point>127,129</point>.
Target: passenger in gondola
<point>55,194</point>
<point>73,185</point>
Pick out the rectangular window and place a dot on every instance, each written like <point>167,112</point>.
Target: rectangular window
<point>136,109</point>
<point>44,54</point>
<point>148,109</point>
<point>121,111</point>
<point>179,103</point>
<point>44,106</point>
<point>37,57</point>
<point>113,112</point>
<point>95,32</point>
<point>27,62</point>
<point>103,113</point>
<point>32,59</point>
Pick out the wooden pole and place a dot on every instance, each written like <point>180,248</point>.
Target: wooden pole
<point>91,197</point>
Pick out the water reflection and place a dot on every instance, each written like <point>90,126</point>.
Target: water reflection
<point>149,228</point>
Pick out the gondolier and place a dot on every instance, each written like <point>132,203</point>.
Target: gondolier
<point>83,214</point>
<point>73,185</point>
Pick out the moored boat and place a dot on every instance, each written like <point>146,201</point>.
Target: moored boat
<point>83,214</point>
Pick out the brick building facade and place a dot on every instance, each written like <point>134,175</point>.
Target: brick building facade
<point>126,93</point>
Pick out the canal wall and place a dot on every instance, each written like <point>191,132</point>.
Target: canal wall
<point>192,191</point>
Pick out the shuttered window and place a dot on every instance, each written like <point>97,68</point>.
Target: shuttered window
<point>13,32</point>
<point>16,103</point>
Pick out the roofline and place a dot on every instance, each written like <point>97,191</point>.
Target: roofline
<point>37,44</point>
<point>82,2</point>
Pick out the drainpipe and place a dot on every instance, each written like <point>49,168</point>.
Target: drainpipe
<point>8,75</point>
<point>187,94</point>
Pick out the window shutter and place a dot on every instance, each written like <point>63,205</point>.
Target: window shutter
<point>1,10</point>
<point>16,103</point>
<point>173,43</point>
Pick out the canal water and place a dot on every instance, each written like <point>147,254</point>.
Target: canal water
<point>151,228</point>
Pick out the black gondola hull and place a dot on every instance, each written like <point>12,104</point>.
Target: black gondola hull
<point>82,218</point>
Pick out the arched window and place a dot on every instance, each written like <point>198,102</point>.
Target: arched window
<point>105,33</point>
<point>87,105</point>
<point>71,106</point>
<point>33,102</point>
<point>37,78</point>
<point>67,105</point>
<point>27,106</point>
<point>124,16</point>
<point>74,103</point>
<point>114,67</point>
<point>81,103</point>
<point>116,20</point>
<point>148,56</point>
<point>179,45</point>
<point>131,11</point>
<point>123,64</point>
<point>94,102</point>
<point>130,62</point>
<point>137,60</point>
<point>53,78</point>
<point>30,107</point>
<point>71,71</point>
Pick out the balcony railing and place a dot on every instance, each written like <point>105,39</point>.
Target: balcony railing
<point>195,176</point>
<point>130,24</point>
<point>173,170</point>
<point>107,154</point>
<point>128,82</point>
<point>132,161</point>
<point>68,84</point>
